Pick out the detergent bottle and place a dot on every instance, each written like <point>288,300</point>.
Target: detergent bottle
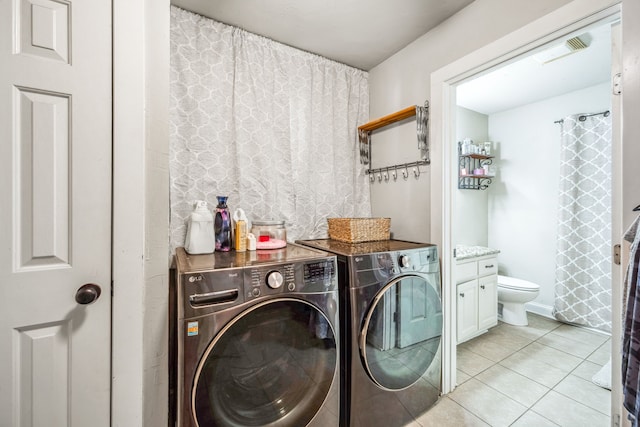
<point>200,237</point>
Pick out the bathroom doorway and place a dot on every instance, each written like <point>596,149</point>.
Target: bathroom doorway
<point>518,111</point>
<point>557,26</point>
<point>516,114</point>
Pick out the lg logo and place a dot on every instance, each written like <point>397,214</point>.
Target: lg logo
<point>193,279</point>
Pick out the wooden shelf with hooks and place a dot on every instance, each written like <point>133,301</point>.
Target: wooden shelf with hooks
<point>364,136</point>
<point>388,119</point>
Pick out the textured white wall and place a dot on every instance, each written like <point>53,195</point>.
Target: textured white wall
<point>470,220</point>
<point>404,80</point>
<point>141,214</point>
<point>523,202</point>
<point>156,264</point>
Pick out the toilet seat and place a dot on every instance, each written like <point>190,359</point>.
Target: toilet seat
<point>517,284</point>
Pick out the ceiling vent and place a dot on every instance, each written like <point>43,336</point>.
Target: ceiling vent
<point>570,46</point>
<point>575,43</point>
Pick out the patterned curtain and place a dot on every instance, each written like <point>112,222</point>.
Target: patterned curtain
<point>271,127</point>
<point>583,261</point>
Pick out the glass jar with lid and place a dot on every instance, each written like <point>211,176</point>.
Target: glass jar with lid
<point>269,234</point>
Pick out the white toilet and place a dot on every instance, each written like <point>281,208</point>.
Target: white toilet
<point>512,295</point>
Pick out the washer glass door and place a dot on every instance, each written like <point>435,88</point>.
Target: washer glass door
<point>400,339</point>
<point>272,365</point>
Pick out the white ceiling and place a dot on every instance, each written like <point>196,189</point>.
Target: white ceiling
<point>363,33</point>
<point>526,80</point>
<point>360,33</point>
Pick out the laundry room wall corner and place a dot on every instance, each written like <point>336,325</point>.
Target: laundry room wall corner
<point>156,321</point>
<point>140,213</point>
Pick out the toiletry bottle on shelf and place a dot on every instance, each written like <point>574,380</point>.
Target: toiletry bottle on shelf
<point>222,225</point>
<point>466,146</point>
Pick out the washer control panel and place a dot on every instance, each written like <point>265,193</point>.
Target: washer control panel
<point>209,283</point>
<point>310,276</point>
<point>262,281</point>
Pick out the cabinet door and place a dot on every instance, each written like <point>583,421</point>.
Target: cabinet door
<point>487,301</point>
<point>467,307</point>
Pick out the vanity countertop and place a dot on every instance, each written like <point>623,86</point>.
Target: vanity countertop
<point>467,252</point>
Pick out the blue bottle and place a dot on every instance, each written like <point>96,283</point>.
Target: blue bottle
<point>222,225</point>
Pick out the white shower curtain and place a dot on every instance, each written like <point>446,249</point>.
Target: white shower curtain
<point>583,261</point>
<point>270,126</point>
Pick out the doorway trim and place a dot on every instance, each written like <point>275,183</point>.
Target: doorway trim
<point>560,23</point>
<point>140,264</point>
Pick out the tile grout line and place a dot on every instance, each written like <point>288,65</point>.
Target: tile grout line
<point>530,408</point>
<point>584,359</point>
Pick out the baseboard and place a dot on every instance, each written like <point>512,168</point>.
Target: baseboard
<point>547,311</point>
<point>540,309</point>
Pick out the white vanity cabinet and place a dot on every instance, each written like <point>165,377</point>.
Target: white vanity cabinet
<point>477,296</point>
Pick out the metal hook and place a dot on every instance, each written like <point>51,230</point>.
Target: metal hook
<point>379,177</point>
<point>372,178</point>
<point>416,172</point>
<point>386,175</point>
<point>405,172</point>
<point>395,173</point>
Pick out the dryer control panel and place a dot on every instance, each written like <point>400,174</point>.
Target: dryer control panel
<point>423,260</point>
<point>381,267</point>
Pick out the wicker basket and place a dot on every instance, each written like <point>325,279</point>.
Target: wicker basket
<point>356,230</point>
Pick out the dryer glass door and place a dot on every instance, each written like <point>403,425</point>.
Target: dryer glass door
<point>272,365</point>
<point>407,314</point>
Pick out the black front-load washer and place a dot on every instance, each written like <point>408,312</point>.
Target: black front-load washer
<point>257,338</point>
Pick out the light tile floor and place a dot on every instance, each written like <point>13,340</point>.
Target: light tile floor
<point>538,375</point>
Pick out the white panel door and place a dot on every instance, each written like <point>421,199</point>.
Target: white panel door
<point>55,220</point>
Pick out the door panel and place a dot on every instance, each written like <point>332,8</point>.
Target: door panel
<point>55,221</point>
<point>42,178</point>
<point>44,29</point>
<point>42,368</point>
